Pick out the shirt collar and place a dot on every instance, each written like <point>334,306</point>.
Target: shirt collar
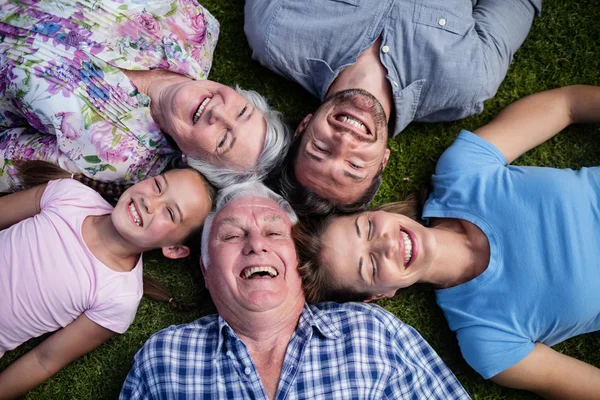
<point>313,317</point>
<point>310,317</point>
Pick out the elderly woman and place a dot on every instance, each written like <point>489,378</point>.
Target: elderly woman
<point>512,251</point>
<point>116,90</point>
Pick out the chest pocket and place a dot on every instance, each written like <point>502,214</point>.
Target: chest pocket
<point>441,19</point>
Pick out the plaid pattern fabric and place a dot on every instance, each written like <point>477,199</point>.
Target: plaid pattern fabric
<point>339,351</point>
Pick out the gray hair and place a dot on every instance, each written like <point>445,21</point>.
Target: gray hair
<point>274,149</point>
<point>251,189</point>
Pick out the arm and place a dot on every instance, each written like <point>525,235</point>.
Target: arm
<point>18,206</point>
<point>552,375</point>
<point>66,345</point>
<point>534,119</point>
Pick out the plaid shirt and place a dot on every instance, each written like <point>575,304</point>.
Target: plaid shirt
<point>339,351</point>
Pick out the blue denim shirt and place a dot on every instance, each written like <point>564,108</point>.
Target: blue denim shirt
<point>440,67</point>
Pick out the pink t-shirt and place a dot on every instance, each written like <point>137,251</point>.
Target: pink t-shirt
<point>49,277</point>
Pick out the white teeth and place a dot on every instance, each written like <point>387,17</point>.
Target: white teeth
<point>200,109</point>
<point>134,213</point>
<point>248,272</point>
<point>407,247</point>
<point>352,121</point>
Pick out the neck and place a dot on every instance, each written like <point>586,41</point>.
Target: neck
<point>107,245</point>
<point>267,337</point>
<point>463,254</point>
<point>263,331</point>
<point>367,73</point>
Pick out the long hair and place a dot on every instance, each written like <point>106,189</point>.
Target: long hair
<point>317,283</point>
<point>37,172</point>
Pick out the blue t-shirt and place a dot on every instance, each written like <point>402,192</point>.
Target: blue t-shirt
<point>543,280</point>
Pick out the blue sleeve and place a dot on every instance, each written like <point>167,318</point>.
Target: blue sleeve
<point>490,351</point>
<point>135,386</point>
<point>467,152</point>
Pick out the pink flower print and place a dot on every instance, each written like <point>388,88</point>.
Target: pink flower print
<point>149,23</point>
<point>110,148</point>
<point>199,29</point>
<point>70,125</point>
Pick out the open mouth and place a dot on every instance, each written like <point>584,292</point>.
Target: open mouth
<point>353,121</point>
<point>200,109</point>
<point>259,272</point>
<point>408,247</point>
<point>135,215</point>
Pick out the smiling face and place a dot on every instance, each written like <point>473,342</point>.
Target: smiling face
<point>212,122</point>
<point>377,252</point>
<point>162,211</point>
<point>253,263</point>
<point>343,146</point>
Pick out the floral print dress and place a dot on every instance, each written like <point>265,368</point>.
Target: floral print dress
<point>63,97</point>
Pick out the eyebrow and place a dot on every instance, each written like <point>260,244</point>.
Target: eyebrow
<point>272,218</point>
<point>312,156</point>
<point>231,220</point>
<point>354,177</point>
<point>176,205</point>
<point>360,261</point>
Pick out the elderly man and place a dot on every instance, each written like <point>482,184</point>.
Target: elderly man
<point>375,60</point>
<point>266,342</point>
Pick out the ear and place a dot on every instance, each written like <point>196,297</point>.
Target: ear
<point>303,124</point>
<point>376,297</point>
<point>174,252</point>
<point>203,269</point>
<point>386,157</point>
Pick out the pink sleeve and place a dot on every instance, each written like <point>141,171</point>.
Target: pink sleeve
<point>115,314</point>
<point>69,192</point>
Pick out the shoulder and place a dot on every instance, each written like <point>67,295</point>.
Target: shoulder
<point>177,341</point>
<point>69,192</point>
<point>364,317</point>
<point>467,151</point>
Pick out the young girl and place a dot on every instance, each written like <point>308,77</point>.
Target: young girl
<point>512,251</point>
<point>69,260</point>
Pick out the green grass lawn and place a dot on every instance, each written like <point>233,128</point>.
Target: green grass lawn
<point>563,48</point>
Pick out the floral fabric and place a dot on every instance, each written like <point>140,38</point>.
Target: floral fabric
<point>63,97</point>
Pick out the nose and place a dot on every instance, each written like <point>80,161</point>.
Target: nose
<point>220,113</point>
<point>385,244</point>
<point>151,203</point>
<point>255,244</point>
<point>345,140</point>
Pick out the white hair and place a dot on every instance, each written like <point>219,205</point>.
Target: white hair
<point>274,150</point>
<point>246,189</point>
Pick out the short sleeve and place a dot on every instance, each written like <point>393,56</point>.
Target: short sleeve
<point>467,152</point>
<point>490,351</point>
<point>115,314</point>
<point>69,192</point>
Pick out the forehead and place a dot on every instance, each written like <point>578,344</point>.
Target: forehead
<point>251,209</point>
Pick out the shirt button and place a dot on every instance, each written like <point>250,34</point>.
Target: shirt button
<point>247,370</point>
<point>385,49</point>
<point>229,354</point>
<point>442,22</point>
<point>395,83</point>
